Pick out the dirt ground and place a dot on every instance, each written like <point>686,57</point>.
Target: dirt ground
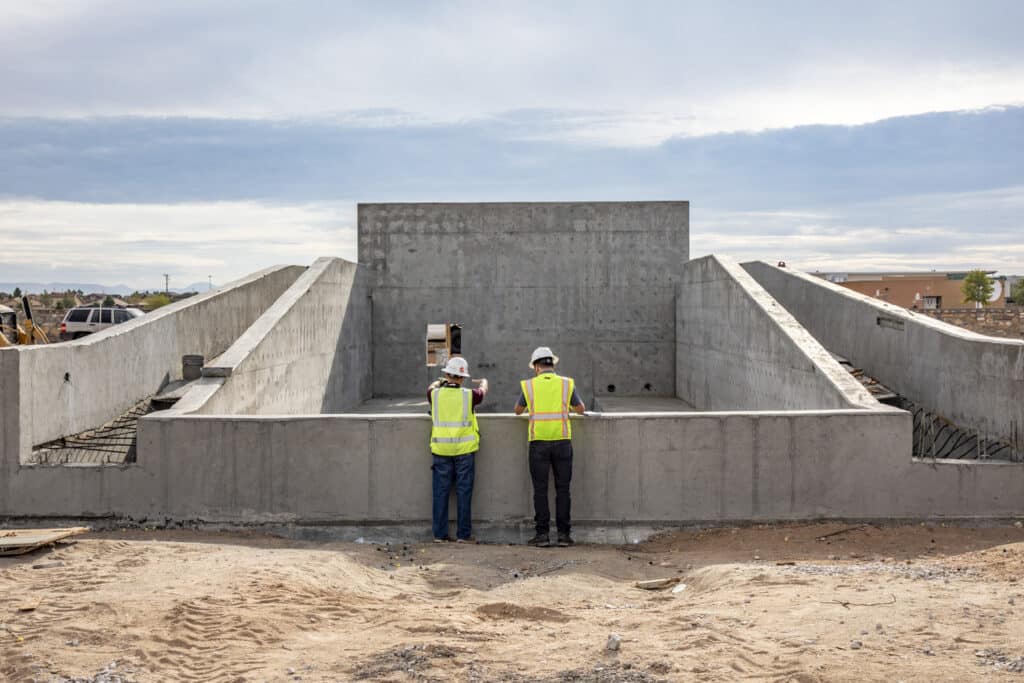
<point>812,602</point>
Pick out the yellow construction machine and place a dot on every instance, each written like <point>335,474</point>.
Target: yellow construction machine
<point>12,333</point>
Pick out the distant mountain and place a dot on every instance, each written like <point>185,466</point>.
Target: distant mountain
<point>195,287</point>
<point>92,288</point>
<point>88,288</point>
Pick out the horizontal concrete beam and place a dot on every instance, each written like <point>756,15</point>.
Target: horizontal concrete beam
<point>670,468</point>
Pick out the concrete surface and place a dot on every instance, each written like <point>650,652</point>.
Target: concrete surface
<point>637,467</point>
<point>640,404</point>
<point>975,381</point>
<point>737,349</point>
<point>60,389</point>
<point>593,280</point>
<point>308,353</point>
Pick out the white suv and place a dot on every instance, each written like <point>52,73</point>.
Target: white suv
<point>82,320</point>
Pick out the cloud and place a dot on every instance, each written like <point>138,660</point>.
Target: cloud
<point>511,158</point>
<point>127,199</point>
<point>137,243</point>
<point>619,73</point>
<point>918,232</point>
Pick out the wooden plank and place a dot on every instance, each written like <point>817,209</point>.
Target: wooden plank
<point>19,541</point>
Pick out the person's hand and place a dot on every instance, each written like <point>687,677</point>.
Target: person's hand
<point>478,381</point>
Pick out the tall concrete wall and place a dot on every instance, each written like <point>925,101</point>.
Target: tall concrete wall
<point>594,280</point>
<point>679,467</point>
<point>70,387</point>
<point>737,349</point>
<point>972,380</point>
<point>308,353</point>
<point>10,419</point>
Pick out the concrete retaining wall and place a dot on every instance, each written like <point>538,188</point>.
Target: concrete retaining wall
<point>975,381</point>
<point>670,467</point>
<point>737,349</point>
<point>66,388</point>
<point>308,353</point>
<point>593,280</point>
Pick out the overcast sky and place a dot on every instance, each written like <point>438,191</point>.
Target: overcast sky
<point>215,138</point>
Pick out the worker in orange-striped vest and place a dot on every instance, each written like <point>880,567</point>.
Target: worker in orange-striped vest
<point>549,398</point>
<point>454,441</point>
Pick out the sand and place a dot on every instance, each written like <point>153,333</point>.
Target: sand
<point>902,603</point>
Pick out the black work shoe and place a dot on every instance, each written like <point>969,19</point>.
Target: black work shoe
<point>565,540</point>
<point>541,541</point>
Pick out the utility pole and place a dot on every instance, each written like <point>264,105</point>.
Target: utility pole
<point>167,284</point>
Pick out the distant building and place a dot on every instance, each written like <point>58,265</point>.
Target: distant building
<point>1011,282</point>
<point>923,290</point>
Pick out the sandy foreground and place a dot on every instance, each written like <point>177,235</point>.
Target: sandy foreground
<point>813,602</point>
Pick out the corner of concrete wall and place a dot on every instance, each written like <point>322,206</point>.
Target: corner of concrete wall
<point>973,380</point>
<point>69,387</point>
<point>10,419</point>
<point>738,349</point>
<point>308,353</point>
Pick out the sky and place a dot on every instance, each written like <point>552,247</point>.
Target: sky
<point>211,139</point>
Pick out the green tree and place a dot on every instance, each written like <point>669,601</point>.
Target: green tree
<point>155,301</point>
<point>17,292</point>
<point>108,301</point>
<point>67,302</point>
<point>1017,293</point>
<point>977,287</point>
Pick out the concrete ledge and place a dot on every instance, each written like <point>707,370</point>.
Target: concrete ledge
<point>642,469</point>
<point>66,388</point>
<point>977,382</point>
<point>308,353</point>
<point>737,348</point>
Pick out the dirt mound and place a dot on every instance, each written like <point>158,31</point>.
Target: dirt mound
<point>507,610</point>
<point>809,602</point>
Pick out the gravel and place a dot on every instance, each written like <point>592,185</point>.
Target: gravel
<point>923,572</point>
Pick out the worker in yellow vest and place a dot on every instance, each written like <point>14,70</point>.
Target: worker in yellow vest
<point>454,441</point>
<point>549,398</point>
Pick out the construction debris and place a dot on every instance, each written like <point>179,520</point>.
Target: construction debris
<point>20,541</point>
<point>657,584</point>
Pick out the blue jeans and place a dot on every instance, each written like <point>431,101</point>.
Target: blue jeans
<point>459,469</point>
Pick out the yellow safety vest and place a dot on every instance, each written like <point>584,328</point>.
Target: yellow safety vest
<point>547,399</point>
<point>455,430</point>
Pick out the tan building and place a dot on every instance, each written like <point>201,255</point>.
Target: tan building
<point>923,290</point>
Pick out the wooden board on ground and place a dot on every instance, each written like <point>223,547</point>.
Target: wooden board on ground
<point>19,541</point>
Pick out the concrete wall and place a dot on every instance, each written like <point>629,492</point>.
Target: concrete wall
<point>594,280</point>
<point>10,419</point>
<point>308,353</point>
<point>972,380</point>
<point>737,349</point>
<point>629,467</point>
<point>70,387</point>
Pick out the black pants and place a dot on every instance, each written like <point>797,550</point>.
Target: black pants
<point>544,456</point>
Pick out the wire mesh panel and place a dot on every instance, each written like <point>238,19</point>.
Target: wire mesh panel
<point>112,443</point>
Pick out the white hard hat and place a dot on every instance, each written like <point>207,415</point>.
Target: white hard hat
<point>543,352</point>
<point>457,367</point>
